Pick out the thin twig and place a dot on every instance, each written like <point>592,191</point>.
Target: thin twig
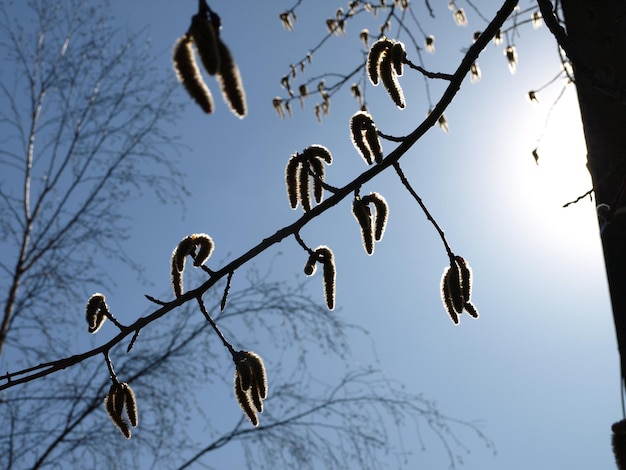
<point>426,73</point>
<point>409,188</point>
<point>579,198</point>
<point>112,373</point>
<point>214,325</point>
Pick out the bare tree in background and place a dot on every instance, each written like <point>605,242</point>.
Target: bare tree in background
<point>82,122</point>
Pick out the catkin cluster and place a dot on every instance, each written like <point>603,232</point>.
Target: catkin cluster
<point>311,160</point>
<point>120,399</point>
<point>96,312</point>
<point>250,384</point>
<point>365,137</point>
<point>187,246</point>
<point>216,60</point>
<point>323,254</point>
<point>456,289</point>
<point>371,230</point>
<point>385,64</point>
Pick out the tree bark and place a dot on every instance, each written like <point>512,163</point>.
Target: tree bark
<point>596,31</point>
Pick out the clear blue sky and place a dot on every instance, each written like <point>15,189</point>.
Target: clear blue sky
<point>539,369</point>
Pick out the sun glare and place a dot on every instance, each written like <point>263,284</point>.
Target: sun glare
<point>562,178</point>
<point>561,153</point>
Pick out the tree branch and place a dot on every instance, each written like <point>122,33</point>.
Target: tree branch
<point>453,87</point>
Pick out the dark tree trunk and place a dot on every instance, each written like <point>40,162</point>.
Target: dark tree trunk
<point>597,35</point>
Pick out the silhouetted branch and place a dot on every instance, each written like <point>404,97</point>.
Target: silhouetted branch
<point>26,375</point>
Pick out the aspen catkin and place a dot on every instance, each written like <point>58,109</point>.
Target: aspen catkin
<point>318,151</point>
<point>184,248</point>
<point>131,405</point>
<point>447,298</point>
<point>326,257</point>
<point>358,127</point>
<point>255,398</point>
<point>311,265</point>
<point>230,82</point>
<point>205,248</point>
<point>376,53</point>
<point>469,307</point>
<point>95,312</point>
<point>244,401</point>
<point>466,277</point>
<point>371,136</point>
<point>382,213</point>
<point>363,216</point>
<point>258,372</point>
<point>397,57</point>
<point>317,167</point>
<point>303,186</point>
<point>292,181</point>
<point>189,75</point>
<point>455,287</point>
<point>114,404</point>
<point>245,373</point>
<point>205,39</point>
<point>390,81</point>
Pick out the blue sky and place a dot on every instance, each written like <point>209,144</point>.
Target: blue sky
<point>539,369</point>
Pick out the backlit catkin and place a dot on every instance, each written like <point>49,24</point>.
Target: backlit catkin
<point>230,82</point>
<point>189,75</point>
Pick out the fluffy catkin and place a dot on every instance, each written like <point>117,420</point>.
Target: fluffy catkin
<point>358,128</point>
<point>184,248</point>
<point>469,307</point>
<point>326,257</point>
<point>230,82</point>
<point>466,277</point>
<point>390,81</point>
<point>205,40</point>
<point>382,213</point>
<point>114,404</point>
<point>317,167</point>
<point>447,298</point>
<point>189,75</point>
<point>303,187</point>
<point>397,57</point>
<point>311,265</point>
<point>330,275</point>
<point>255,398</point>
<point>95,312</point>
<point>291,180</point>
<point>245,374</point>
<point>258,372</point>
<point>371,136</point>
<point>455,287</point>
<point>131,405</point>
<point>377,52</point>
<point>318,151</point>
<point>363,216</point>
<point>244,401</point>
<point>205,248</point>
